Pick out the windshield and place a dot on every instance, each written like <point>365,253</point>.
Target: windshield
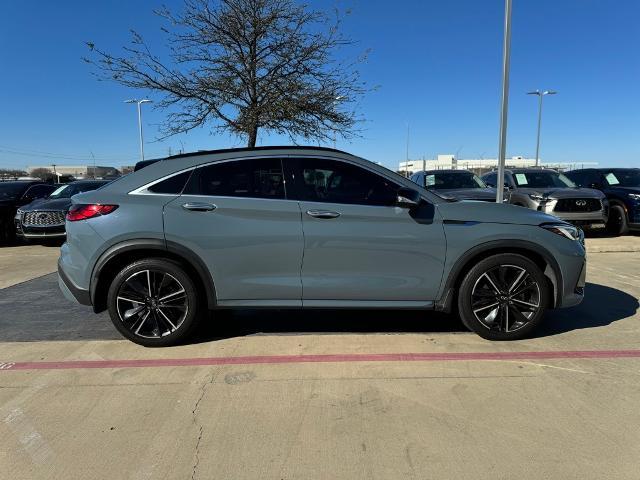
<point>12,190</point>
<point>623,178</point>
<point>542,179</point>
<point>70,189</point>
<point>451,180</point>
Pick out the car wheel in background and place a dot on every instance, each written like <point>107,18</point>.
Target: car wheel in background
<point>153,302</point>
<point>617,224</point>
<point>503,297</point>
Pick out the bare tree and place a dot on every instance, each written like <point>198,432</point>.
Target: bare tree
<point>43,174</point>
<point>243,66</point>
<point>11,173</point>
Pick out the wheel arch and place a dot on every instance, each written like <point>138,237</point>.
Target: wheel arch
<point>124,253</point>
<point>536,253</point>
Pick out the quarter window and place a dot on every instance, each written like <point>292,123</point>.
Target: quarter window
<point>255,178</point>
<point>332,181</point>
<point>172,185</point>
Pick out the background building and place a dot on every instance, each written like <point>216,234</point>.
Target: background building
<point>477,165</point>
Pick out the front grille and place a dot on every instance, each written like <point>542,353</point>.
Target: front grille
<point>578,205</point>
<point>43,219</point>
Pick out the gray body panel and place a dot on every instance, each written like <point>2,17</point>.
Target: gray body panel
<point>370,253</point>
<point>252,247</point>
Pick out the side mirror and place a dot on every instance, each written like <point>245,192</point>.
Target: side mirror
<point>507,186</point>
<point>594,185</point>
<point>407,198</point>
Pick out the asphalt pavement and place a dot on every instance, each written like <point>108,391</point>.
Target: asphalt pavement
<point>323,394</point>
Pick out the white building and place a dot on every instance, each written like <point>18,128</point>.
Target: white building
<point>446,162</point>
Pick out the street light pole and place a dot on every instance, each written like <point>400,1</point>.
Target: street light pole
<point>139,102</point>
<point>540,94</point>
<point>506,55</point>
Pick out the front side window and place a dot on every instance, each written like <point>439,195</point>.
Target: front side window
<point>333,181</point>
<point>254,178</point>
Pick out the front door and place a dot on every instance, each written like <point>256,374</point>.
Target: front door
<point>235,216</point>
<point>357,244</point>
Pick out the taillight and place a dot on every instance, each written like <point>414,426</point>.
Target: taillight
<point>84,211</point>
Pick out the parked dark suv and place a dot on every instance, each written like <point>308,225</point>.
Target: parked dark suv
<point>458,184</point>
<point>622,188</point>
<point>549,191</point>
<point>14,195</point>
<point>44,219</point>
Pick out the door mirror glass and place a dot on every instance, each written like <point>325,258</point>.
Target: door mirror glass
<point>407,198</point>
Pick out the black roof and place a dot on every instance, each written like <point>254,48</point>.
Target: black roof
<point>253,149</point>
<point>601,169</point>
<point>144,163</point>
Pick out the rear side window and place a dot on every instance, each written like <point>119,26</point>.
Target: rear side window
<point>254,178</point>
<point>172,185</point>
<point>490,179</point>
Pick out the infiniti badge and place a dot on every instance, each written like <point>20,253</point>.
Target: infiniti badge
<point>581,203</point>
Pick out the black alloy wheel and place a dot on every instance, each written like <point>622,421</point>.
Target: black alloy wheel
<point>503,297</point>
<point>153,302</point>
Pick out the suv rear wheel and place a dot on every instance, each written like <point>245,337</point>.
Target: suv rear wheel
<point>153,302</point>
<point>503,297</point>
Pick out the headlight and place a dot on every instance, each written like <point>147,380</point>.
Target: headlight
<point>19,212</point>
<point>634,196</point>
<point>565,230</point>
<point>536,197</point>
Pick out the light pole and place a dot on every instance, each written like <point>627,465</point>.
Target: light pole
<point>540,95</point>
<point>140,102</point>
<point>506,53</point>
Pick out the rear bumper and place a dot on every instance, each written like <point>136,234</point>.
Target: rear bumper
<point>70,290</point>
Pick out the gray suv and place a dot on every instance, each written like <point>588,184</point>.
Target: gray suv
<point>307,227</point>
<point>551,192</point>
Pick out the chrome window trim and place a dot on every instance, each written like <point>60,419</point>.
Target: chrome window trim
<point>143,190</point>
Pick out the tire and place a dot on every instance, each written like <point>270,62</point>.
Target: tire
<point>617,224</point>
<point>149,320</point>
<point>487,308</point>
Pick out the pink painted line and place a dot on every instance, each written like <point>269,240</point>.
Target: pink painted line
<point>335,358</point>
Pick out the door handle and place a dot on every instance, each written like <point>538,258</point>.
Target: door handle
<point>322,214</point>
<point>199,207</point>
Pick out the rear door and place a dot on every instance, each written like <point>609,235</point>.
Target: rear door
<point>358,245</point>
<point>235,216</point>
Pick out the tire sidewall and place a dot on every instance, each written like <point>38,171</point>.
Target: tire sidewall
<point>466,287</point>
<point>614,227</point>
<point>166,266</point>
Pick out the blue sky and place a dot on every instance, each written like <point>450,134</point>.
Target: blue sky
<point>437,65</point>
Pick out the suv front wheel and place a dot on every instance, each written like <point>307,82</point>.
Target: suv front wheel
<point>153,302</point>
<point>503,297</point>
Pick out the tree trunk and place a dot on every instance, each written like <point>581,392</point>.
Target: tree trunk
<point>253,136</point>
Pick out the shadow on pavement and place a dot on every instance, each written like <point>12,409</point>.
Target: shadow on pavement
<point>601,306</point>
<point>36,311</point>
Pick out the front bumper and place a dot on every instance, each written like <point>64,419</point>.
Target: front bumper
<point>70,290</point>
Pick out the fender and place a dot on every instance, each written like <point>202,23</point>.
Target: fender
<point>447,295</point>
<point>161,246</point>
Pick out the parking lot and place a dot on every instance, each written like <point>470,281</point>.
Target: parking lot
<point>320,394</point>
